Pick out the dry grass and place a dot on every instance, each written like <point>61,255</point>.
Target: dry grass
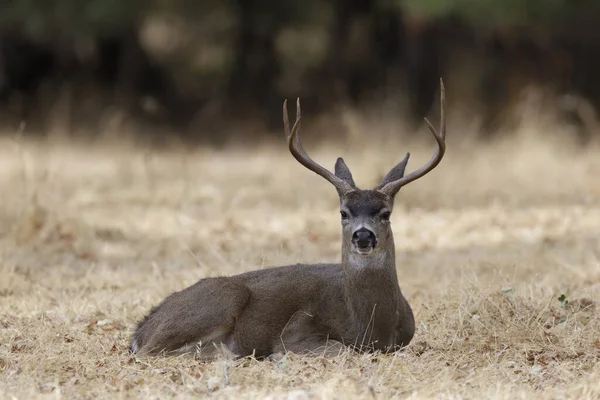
<point>92,238</point>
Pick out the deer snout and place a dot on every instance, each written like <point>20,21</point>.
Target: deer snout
<point>363,238</point>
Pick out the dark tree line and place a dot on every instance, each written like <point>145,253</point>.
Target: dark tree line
<point>200,68</point>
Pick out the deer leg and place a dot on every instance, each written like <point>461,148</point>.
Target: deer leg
<point>311,347</point>
<point>204,313</point>
<point>405,330</point>
<point>301,336</point>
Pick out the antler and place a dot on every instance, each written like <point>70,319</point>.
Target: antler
<point>295,146</point>
<point>393,187</point>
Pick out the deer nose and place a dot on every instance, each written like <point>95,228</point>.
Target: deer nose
<point>364,238</point>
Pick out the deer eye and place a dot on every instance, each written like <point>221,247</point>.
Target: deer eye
<point>385,216</point>
<point>344,214</point>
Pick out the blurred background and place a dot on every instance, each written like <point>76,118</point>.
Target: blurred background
<point>210,70</point>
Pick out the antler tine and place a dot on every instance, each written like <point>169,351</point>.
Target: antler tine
<point>286,121</point>
<point>440,138</point>
<point>295,146</point>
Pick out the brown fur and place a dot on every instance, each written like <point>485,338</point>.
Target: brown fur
<point>299,308</point>
<point>302,308</point>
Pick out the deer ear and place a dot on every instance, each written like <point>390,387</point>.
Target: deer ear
<point>343,172</point>
<point>396,173</point>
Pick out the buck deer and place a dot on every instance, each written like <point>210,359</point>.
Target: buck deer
<point>303,308</point>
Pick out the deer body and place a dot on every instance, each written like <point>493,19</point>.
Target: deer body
<point>312,314</point>
<point>302,308</point>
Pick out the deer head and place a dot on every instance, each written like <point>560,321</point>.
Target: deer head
<point>366,214</point>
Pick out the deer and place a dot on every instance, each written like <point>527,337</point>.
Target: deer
<point>310,309</point>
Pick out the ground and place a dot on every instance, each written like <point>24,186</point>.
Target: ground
<point>498,251</point>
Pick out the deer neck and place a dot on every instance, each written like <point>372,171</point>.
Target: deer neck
<point>371,287</point>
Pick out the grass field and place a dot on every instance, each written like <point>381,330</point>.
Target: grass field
<point>498,251</point>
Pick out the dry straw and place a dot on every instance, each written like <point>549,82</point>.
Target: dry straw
<point>487,244</point>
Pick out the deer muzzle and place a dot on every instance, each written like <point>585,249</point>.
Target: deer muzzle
<point>364,241</point>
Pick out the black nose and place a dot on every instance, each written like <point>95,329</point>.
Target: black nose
<point>364,238</point>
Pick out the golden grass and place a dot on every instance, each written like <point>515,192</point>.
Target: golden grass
<point>92,238</point>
